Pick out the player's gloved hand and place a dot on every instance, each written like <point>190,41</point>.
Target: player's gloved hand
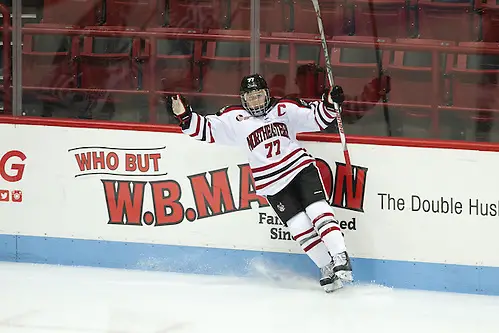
<point>333,95</point>
<point>178,105</point>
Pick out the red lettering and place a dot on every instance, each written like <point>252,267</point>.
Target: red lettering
<point>349,190</point>
<point>212,199</point>
<point>155,158</point>
<point>18,168</point>
<point>247,192</point>
<point>277,143</point>
<point>131,162</point>
<point>143,167</point>
<point>269,145</point>
<point>98,160</point>
<point>84,161</point>
<point>112,161</point>
<point>167,207</point>
<point>281,113</point>
<point>326,176</point>
<point>124,204</point>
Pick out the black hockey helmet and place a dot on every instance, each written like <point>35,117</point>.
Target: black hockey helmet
<point>255,95</point>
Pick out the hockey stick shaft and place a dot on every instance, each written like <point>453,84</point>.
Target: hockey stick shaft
<point>330,77</point>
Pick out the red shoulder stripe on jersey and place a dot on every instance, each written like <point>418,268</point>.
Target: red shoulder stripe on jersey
<point>304,163</point>
<point>284,159</point>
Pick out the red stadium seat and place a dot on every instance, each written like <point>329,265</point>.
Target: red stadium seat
<point>109,62</point>
<point>354,67</point>
<point>73,12</point>
<point>475,78</point>
<point>201,14</point>
<point>295,68</point>
<point>335,18</point>
<point>412,83</point>
<point>475,85</point>
<point>48,59</point>
<point>177,63</point>
<point>274,15</point>
<point>225,63</point>
<point>134,13</point>
<point>389,18</point>
<point>447,21</point>
<point>490,21</point>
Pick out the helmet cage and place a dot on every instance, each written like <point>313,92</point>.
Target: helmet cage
<point>256,101</point>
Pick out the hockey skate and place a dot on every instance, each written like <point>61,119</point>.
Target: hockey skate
<point>338,271</point>
<point>329,280</point>
<point>342,267</point>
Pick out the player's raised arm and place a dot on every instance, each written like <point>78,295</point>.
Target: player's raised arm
<point>317,115</point>
<point>211,129</point>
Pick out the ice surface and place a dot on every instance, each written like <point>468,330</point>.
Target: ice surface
<point>42,298</point>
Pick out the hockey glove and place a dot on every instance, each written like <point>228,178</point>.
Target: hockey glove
<point>333,95</point>
<point>178,105</point>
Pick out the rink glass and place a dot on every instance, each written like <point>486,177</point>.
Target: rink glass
<point>115,61</point>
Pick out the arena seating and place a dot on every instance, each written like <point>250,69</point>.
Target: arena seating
<point>303,18</point>
<point>135,13</point>
<point>386,18</point>
<point>354,66</point>
<point>476,76</point>
<point>459,20</point>
<point>48,59</point>
<point>203,14</point>
<point>282,62</point>
<point>109,62</point>
<point>74,12</point>
<point>237,15</point>
<point>413,78</point>
<point>490,20</point>
<point>172,49</point>
<point>177,61</point>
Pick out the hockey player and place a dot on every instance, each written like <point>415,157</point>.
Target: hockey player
<point>283,172</point>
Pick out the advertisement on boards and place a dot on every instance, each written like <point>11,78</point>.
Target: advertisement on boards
<point>400,203</point>
<point>12,165</point>
<point>160,201</point>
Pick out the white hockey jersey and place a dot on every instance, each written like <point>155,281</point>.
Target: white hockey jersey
<point>274,154</point>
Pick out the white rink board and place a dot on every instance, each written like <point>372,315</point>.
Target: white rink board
<point>55,203</point>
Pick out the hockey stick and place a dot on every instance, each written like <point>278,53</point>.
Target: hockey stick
<point>331,83</point>
<point>380,68</point>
